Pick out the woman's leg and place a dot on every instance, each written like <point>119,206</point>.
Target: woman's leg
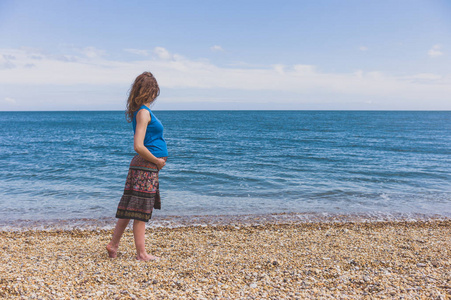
<point>139,232</point>
<point>117,234</point>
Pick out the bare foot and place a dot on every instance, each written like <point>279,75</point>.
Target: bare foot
<point>147,257</point>
<point>112,252</point>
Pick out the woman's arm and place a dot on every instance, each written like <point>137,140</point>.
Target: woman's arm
<point>142,119</point>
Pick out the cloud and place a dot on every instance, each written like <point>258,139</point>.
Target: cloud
<point>216,48</point>
<point>363,48</point>
<point>435,51</point>
<point>6,61</point>
<point>91,52</point>
<point>10,100</point>
<point>427,76</point>
<point>137,52</point>
<point>162,53</point>
<point>279,68</point>
<point>304,69</point>
<point>178,72</point>
<point>358,74</point>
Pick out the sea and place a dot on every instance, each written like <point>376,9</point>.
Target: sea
<point>68,168</point>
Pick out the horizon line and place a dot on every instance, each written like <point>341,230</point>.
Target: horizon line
<point>117,110</point>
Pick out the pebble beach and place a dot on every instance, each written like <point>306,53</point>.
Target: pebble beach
<point>270,260</point>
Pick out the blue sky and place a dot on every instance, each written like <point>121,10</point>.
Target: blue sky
<point>83,55</point>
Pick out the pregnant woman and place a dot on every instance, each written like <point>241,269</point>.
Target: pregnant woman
<point>141,192</point>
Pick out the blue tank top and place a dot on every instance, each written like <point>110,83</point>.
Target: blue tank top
<point>153,139</point>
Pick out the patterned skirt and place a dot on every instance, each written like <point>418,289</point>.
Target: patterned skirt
<point>141,192</point>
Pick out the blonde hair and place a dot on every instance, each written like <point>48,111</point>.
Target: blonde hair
<point>144,89</point>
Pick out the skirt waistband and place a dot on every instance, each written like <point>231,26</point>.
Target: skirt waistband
<point>139,163</point>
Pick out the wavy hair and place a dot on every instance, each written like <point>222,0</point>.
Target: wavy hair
<point>144,89</point>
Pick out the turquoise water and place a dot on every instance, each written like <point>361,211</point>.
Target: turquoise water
<point>73,165</point>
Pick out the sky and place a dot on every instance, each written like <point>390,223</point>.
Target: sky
<point>299,55</point>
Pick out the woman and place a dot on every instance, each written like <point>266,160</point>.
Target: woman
<point>141,192</point>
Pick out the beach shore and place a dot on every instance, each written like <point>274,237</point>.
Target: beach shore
<point>342,260</point>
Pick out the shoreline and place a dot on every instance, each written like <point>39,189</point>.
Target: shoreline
<point>175,221</point>
<point>303,260</point>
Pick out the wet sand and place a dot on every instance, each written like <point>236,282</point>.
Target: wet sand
<point>270,260</point>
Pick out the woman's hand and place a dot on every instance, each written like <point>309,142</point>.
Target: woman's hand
<point>160,163</point>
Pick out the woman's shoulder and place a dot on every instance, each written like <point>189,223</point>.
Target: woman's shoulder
<point>142,108</point>
<point>143,113</point>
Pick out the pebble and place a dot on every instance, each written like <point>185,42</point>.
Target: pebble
<point>421,265</point>
<point>336,260</point>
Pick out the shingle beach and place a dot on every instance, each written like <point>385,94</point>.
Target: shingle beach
<point>341,260</point>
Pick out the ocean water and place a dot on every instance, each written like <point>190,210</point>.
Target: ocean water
<point>73,165</point>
